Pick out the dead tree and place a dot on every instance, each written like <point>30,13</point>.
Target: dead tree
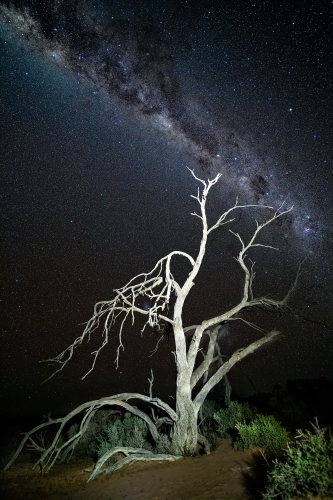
<point>167,297</point>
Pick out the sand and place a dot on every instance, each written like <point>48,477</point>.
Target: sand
<point>224,474</point>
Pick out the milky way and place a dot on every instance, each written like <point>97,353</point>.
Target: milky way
<point>130,54</point>
<point>104,105</point>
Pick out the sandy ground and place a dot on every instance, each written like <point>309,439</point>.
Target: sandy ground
<point>224,474</point>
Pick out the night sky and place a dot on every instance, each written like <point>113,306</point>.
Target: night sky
<point>103,105</point>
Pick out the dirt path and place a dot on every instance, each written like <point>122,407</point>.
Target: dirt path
<point>224,474</point>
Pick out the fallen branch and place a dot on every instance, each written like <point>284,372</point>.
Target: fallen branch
<point>62,451</point>
<point>131,455</point>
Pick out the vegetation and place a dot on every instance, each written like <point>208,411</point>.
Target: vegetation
<point>307,468</point>
<point>228,418</point>
<point>207,425</point>
<point>288,410</point>
<point>301,401</point>
<point>130,431</point>
<point>86,446</point>
<point>263,432</point>
<point>249,429</point>
<point>109,430</point>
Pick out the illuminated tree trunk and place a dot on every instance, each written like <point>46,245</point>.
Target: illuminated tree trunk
<point>185,430</point>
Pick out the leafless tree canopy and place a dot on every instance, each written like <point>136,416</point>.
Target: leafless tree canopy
<point>167,297</point>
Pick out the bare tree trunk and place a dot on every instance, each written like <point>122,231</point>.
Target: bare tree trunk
<point>185,430</point>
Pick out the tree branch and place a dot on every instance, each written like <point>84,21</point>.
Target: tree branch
<point>223,370</point>
<point>57,451</point>
<point>157,285</point>
<point>131,455</point>
<point>208,357</point>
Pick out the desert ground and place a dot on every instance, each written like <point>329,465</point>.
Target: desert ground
<point>224,474</point>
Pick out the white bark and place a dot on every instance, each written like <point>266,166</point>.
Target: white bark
<point>131,455</point>
<point>160,286</point>
<point>58,450</point>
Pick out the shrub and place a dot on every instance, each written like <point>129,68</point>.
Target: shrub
<point>307,469</point>
<point>207,426</point>
<point>164,445</point>
<point>208,409</point>
<point>264,431</point>
<point>135,431</point>
<point>131,431</point>
<point>234,414</point>
<point>7,455</point>
<point>87,443</point>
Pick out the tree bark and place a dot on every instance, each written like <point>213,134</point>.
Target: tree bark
<point>185,430</point>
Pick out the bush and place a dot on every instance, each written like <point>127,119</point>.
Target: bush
<point>207,426</point>
<point>234,414</point>
<point>264,431</point>
<point>87,443</point>
<point>22,459</point>
<point>164,445</point>
<point>131,431</point>
<point>208,409</point>
<point>307,469</point>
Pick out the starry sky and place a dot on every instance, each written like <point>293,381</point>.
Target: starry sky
<point>103,105</point>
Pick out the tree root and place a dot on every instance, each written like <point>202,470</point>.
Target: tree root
<point>204,443</point>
